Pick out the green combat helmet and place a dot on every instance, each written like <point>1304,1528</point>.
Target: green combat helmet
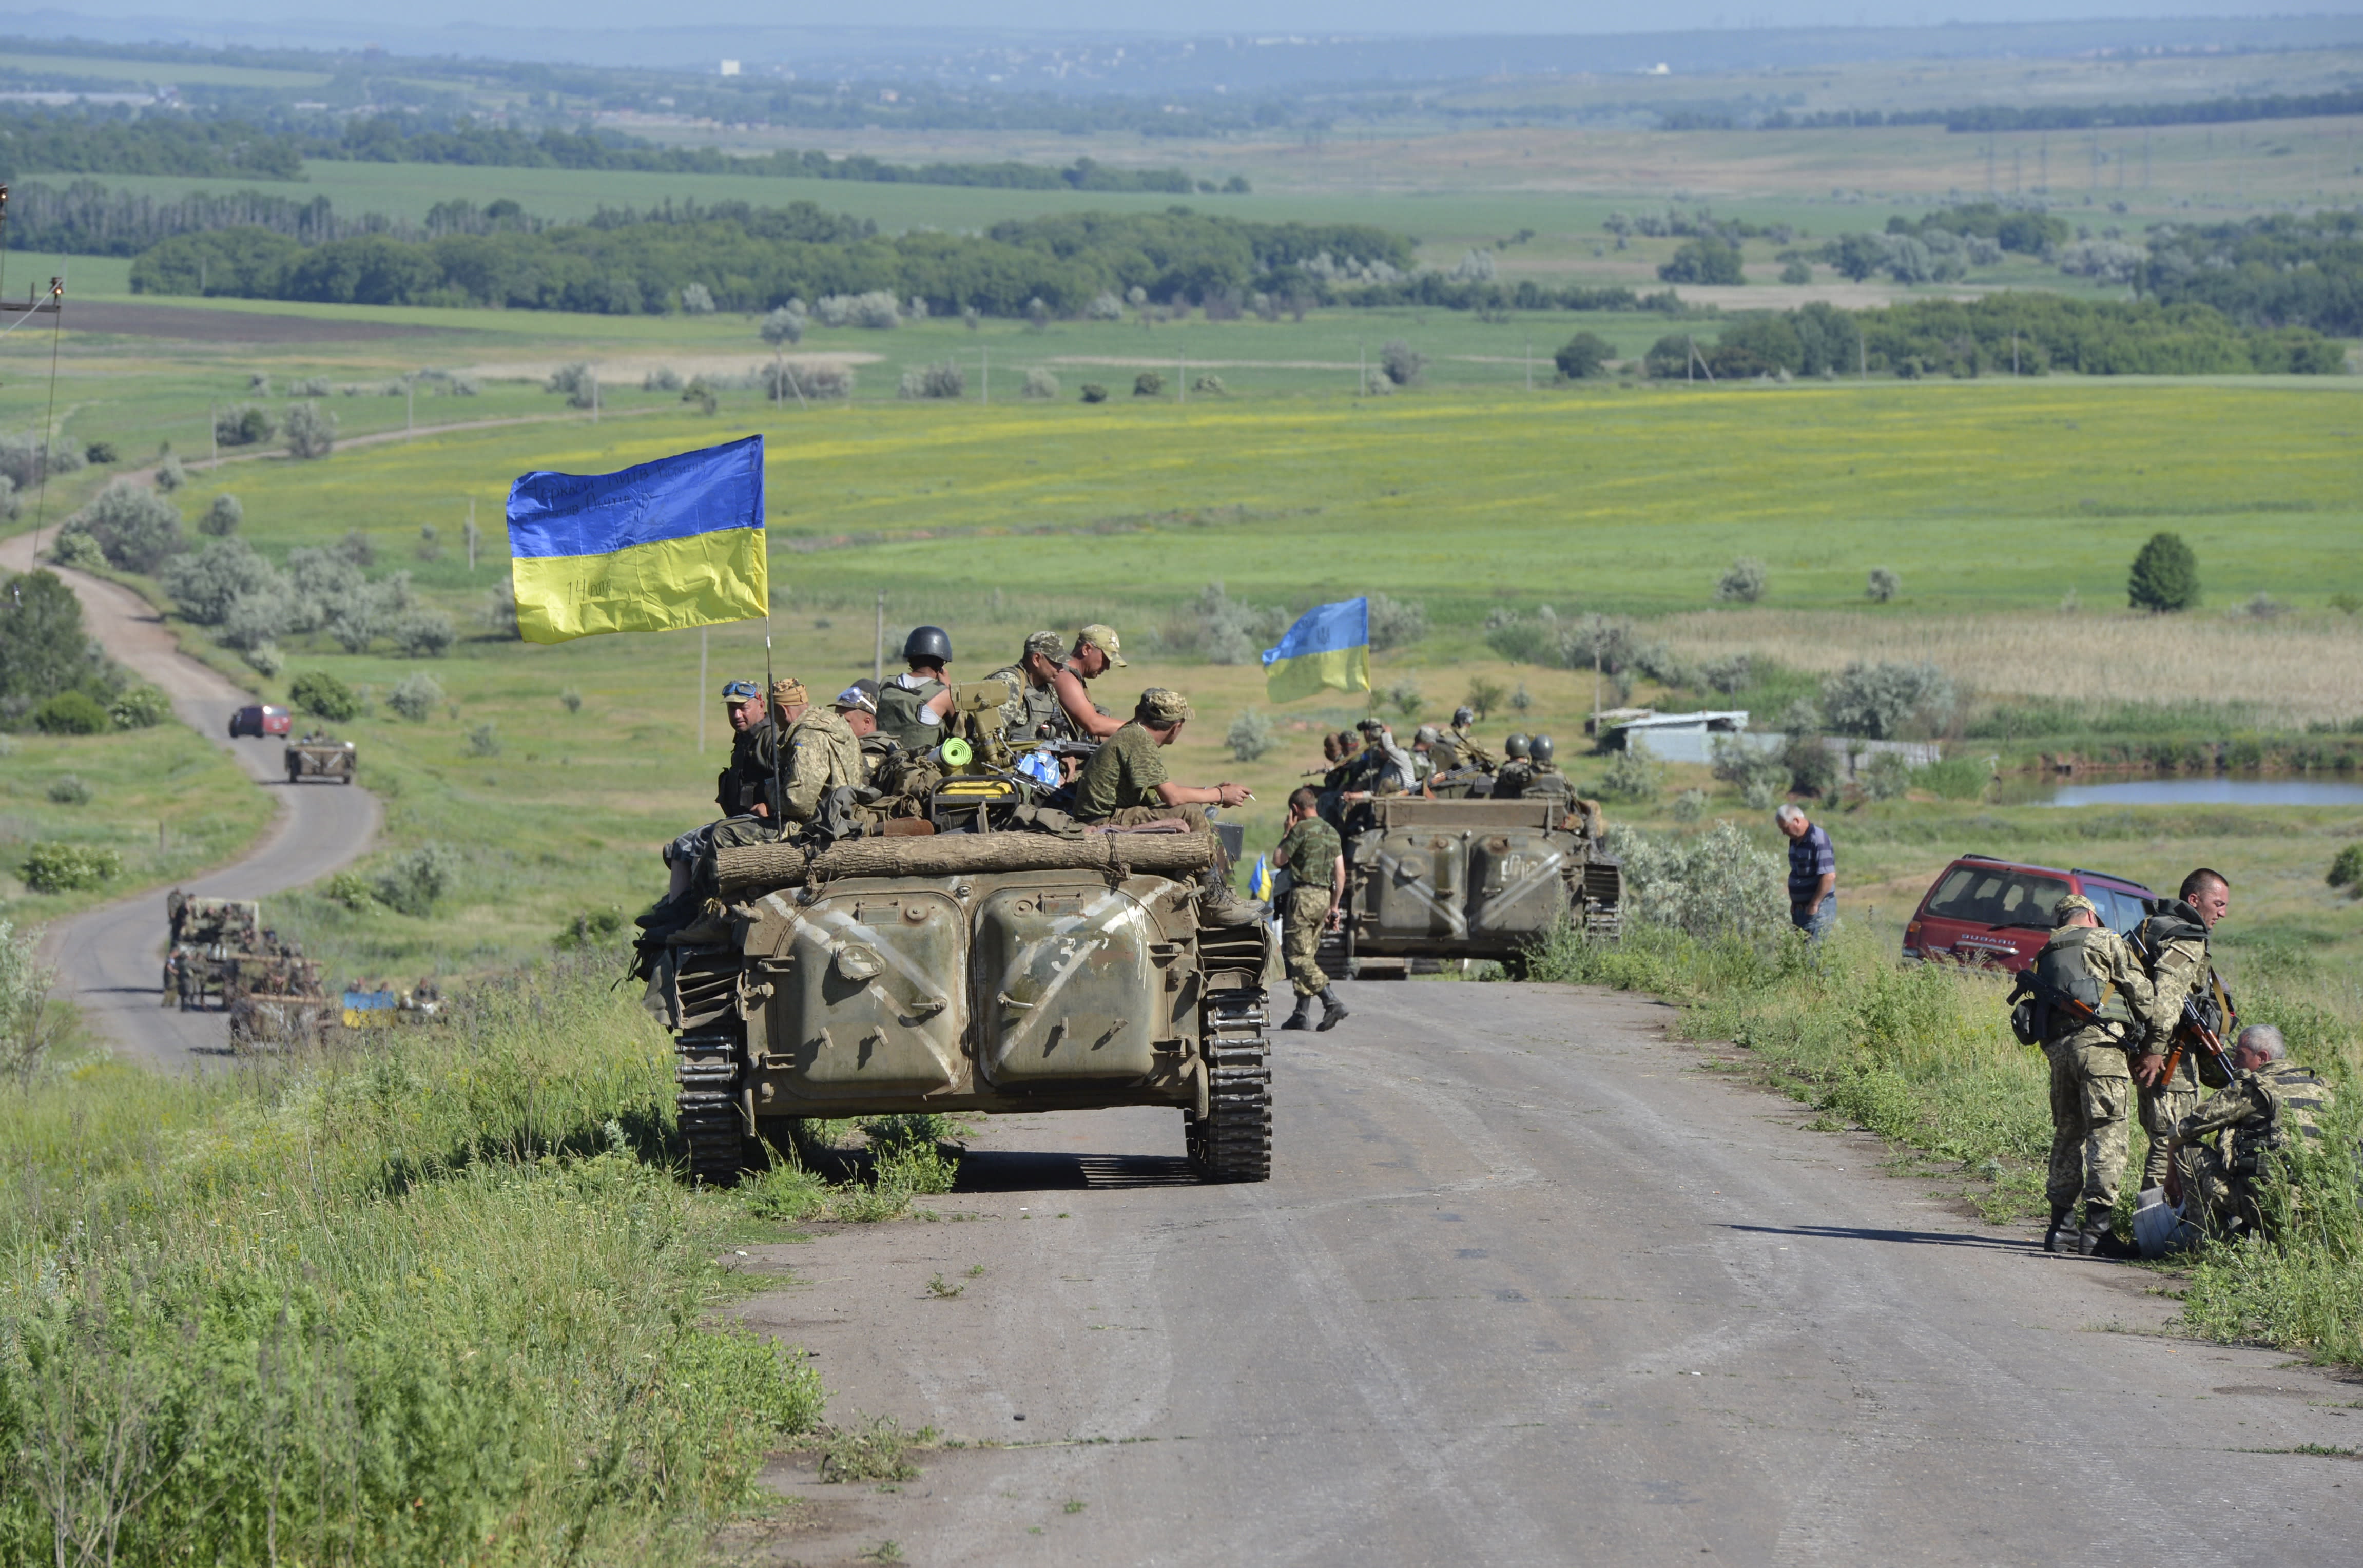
<point>1516,746</point>
<point>1537,751</point>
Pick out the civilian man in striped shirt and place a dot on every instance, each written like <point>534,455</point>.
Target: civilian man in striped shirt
<point>1812,873</point>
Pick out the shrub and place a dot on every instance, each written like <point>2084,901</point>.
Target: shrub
<point>311,430</point>
<point>416,696</point>
<point>573,699</point>
<point>1796,273</point>
<point>99,453</point>
<point>1224,630</point>
<point>1956,778</point>
<point>137,528</point>
<point>74,548</point>
<point>1706,885</point>
<point>1250,736</point>
<point>1880,701</point>
<point>256,619</point>
<point>1402,365</point>
<point>265,659</point>
<point>877,310</point>
<point>1394,622</point>
<point>71,712</point>
<point>664,378</point>
<point>2347,869</point>
<point>484,740</point>
<point>317,693</point>
<point>783,382</point>
<point>1761,776</point>
<point>1148,384</point>
<point>412,882</point>
<point>943,381</point>
<point>1095,392</point>
<point>243,424</point>
<point>699,396</point>
<point>28,1030</point>
<point>1729,676</point>
<point>352,890</point>
<point>1484,696</point>
<point>1210,384</point>
<point>67,868</point>
<point>1583,356</point>
<point>1632,777</point>
<point>1745,582</point>
<point>1407,697</point>
<point>1886,776</point>
<point>1041,383</point>
<point>1704,261</point>
<point>222,517</point>
<point>2165,575</point>
<point>67,789</point>
<point>1690,805</point>
<point>139,707</point>
<point>696,299</point>
<point>23,458</point>
<point>784,326</point>
<point>574,382</point>
<point>1522,699</point>
<point>423,634</point>
<point>1105,306</point>
<point>1882,585</point>
<point>209,581</point>
<point>309,387</point>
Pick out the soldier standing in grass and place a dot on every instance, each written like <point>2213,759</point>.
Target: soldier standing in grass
<point>1315,863</point>
<point>2092,1086</point>
<point>2174,940</point>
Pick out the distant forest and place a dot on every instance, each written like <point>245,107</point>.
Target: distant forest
<point>2074,117</point>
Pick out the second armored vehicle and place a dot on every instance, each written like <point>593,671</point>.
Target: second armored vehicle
<point>1429,881</point>
<point>319,757</point>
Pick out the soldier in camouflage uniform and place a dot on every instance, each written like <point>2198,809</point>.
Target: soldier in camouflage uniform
<point>2271,1102</point>
<point>1543,779</point>
<point>1510,778</point>
<point>1315,863</point>
<point>738,788</point>
<point>2092,1086</point>
<point>1032,712</point>
<point>2175,942</point>
<point>1124,785</point>
<point>1472,755</point>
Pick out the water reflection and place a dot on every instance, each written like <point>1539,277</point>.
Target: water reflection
<point>2204,792</point>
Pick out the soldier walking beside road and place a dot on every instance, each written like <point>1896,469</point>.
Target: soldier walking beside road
<point>1315,863</point>
<point>2175,941</point>
<point>1813,872</point>
<point>2092,1083</point>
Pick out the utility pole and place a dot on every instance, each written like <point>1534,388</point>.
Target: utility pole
<point>1361,369</point>
<point>594,398</point>
<point>472,535</point>
<point>1182,378</point>
<point>988,375</point>
<point>878,648</point>
<point>702,633</point>
<point>1530,365</point>
<point>1862,354</point>
<point>409,406</point>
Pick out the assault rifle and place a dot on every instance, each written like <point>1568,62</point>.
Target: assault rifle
<point>2192,1028</point>
<point>2047,997</point>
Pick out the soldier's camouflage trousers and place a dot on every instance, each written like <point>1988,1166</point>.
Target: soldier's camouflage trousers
<point>2160,1109</point>
<point>1301,913</point>
<point>2216,1198</point>
<point>2091,1104</point>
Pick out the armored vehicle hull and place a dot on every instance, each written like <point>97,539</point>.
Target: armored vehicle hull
<point>321,760</point>
<point>995,973</point>
<point>1435,880</point>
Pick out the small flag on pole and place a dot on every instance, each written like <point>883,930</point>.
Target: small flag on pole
<point>672,543</point>
<point>1329,648</point>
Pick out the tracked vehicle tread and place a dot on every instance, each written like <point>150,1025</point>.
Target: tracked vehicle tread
<point>707,1068</point>
<point>1233,1142</point>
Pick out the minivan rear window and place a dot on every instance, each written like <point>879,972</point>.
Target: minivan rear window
<point>1996,895</point>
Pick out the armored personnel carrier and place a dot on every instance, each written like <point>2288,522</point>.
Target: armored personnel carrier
<point>1429,881</point>
<point>990,971</point>
<point>319,757</point>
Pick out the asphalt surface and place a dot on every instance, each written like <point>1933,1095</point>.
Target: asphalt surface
<point>110,960</point>
<point>1532,1283</point>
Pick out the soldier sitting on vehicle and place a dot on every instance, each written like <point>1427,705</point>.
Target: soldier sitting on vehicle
<point>1544,780</point>
<point>1510,778</point>
<point>1125,784</point>
<point>1472,755</point>
<point>1097,651</point>
<point>2270,1103</point>
<point>911,707</point>
<point>738,789</point>
<point>1032,712</point>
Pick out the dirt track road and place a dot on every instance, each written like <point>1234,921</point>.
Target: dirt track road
<point>1530,1286</point>
<point>110,960</point>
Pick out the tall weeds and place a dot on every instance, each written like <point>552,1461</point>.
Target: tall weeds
<point>439,1299</point>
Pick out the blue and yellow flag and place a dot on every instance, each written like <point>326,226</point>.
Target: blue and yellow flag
<point>667,544</point>
<point>1329,648</point>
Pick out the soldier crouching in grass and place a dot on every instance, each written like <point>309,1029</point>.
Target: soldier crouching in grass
<point>2270,1103</point>
<point>1315,863</point>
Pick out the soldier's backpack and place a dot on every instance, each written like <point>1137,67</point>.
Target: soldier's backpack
<point>2062,975</point>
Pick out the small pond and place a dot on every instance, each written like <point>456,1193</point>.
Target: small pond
<point>2199,792</point>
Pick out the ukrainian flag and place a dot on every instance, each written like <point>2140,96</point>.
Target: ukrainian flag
<point>1329,648</point>
<point>670,544</point>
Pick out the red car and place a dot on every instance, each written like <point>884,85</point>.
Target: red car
<point>259,721</point>
<point>1983,910</point>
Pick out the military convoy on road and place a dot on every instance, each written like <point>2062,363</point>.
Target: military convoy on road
<point>996,971</point>
<point>1430,881</point>
<point>220,954</point>
<point>319,757</point>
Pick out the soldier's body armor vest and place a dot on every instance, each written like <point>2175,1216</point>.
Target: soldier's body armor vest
<point>898,714</point>
<point>2065,965</point>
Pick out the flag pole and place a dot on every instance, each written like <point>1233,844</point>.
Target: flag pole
<point>779,723</point>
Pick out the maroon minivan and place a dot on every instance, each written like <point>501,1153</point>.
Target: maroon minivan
<point>1983,910</point>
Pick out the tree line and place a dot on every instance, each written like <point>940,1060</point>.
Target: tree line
<point>1984,117</point>
<point>2277,271</point>
<point>753,259</point>
<point>2023,334</point>
<point>97,142</point>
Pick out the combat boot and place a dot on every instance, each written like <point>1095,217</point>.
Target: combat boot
<point>2098,1238</point>
<point>1218,905</point>
<point>1333,1011</point>
<point>1303,1018</point>
<point>2061,1236</point>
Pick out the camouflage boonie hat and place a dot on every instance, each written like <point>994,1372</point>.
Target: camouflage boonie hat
<point>2068,906</point>
<point>1048,644</point>
<point>1163,704</point>
<point>789,693</point>
<point>1104,638</point>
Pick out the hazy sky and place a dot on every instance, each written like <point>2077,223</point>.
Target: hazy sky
<point>1162,17</point>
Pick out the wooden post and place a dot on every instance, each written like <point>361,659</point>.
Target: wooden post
<point>703,637</point>
<point>472,534</point>
<point>409,406</point>
<point>987,352</point>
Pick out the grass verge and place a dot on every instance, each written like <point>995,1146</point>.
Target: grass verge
<point>1922,1055</point>
<point>441,1299</point>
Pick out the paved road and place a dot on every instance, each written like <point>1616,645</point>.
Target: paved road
<point>1532,1285</point>
<point>111,958</point>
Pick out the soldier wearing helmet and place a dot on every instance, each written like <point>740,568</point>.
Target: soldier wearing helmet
<point>1544,779</point>
<point>1510,778</point>
<point>1472,755</point>
<point>911,707</point>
